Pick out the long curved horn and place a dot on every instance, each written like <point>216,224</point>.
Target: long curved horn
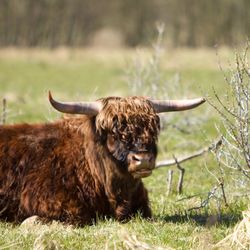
<point>85,108</point>
<point>176,105</point>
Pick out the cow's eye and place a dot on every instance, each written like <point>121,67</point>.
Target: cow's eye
<point>137,145</point>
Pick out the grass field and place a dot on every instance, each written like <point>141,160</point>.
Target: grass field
<point>25,78</point>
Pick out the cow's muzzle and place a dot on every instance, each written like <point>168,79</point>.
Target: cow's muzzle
<point>140,165</point>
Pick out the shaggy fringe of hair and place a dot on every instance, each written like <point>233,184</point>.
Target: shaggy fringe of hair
<point>122,115</point>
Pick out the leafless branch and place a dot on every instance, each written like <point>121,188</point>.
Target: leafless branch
<point>181,159</point>
<point>234,111</point>
<point>181,176</point>
<point>169,181</point>
<point>223,192</point>
<point>205,202</point>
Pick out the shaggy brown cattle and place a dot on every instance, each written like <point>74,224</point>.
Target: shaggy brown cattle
<point>83,166</point>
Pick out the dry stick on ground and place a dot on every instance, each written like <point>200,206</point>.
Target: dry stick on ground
<point>169,181</point>
<point>181,176</point>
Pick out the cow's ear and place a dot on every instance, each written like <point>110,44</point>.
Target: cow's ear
<point>111,143</point>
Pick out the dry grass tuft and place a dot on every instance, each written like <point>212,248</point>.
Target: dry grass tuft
<point>131,242</point>
<point>203,240</point>
<point>240,238</point>
<point>43,242</point>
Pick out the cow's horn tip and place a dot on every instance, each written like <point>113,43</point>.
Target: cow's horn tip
<point>203,99</point>
<point>50,96</point>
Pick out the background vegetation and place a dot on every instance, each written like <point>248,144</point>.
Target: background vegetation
<point>53,23</point>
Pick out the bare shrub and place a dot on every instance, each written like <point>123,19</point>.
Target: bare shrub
<point>145,75</point>
<point>233,108</point>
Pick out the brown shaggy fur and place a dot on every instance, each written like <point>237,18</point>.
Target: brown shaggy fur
<point>65,170</point>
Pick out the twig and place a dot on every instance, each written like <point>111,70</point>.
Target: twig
<point>220,181</point>
<point>189,197</point>
<point>205,202</point>
<point>171,162</point>
<point>169,181</point>
<point>181,176</point>
<point>223,192</point>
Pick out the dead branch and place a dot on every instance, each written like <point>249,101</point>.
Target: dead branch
<point>181,176</point>
<point>212,194</point>
<point>223,192</point>
<point>181,159</point>
<point>169,181</point>
<point>205,202</point>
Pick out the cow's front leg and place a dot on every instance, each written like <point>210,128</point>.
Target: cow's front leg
<point>140,202</point>
<point>121,209</point>
<point>120,196</point>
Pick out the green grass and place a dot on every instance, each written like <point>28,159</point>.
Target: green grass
<point>25,79</point>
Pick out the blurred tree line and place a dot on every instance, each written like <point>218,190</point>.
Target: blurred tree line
<point>191,23</point>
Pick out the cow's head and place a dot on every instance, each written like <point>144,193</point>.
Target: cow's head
<point>128,126</point>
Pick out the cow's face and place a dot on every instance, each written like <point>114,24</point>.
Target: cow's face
<point>133,143</point>
<point>131,128</point>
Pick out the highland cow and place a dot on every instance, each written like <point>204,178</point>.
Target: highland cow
<point>83,166</point>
